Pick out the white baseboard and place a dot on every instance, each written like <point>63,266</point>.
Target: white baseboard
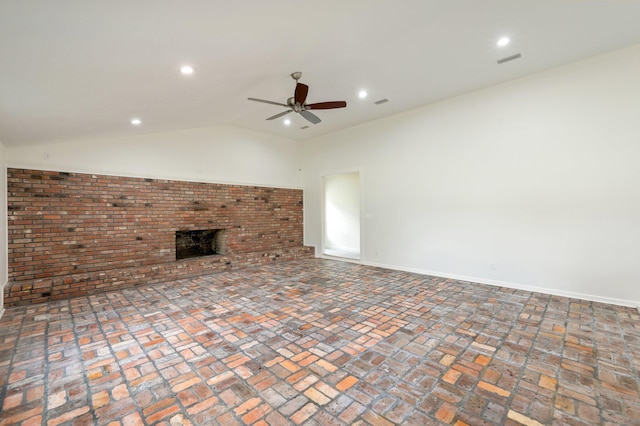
<point>342,259</point>
<point>516,286</point>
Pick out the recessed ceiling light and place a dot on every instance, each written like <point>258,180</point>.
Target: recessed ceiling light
<point>502,42</point>
<point>136,121</point>
<point>362,94</point>
<point>287,122</point>
<point>186,70</point>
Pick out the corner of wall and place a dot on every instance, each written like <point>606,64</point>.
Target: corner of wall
<point>2,286</point>
<point>3,227</point>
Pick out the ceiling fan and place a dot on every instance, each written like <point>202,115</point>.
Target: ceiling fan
<point>298,104</point>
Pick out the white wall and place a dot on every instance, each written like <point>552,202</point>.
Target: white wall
<point>531,184</point>
<point>213,154</point>
<point>3,227</point>
<point>342,212</point>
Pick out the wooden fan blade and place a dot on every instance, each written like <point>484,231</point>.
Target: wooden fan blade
<point>327,105</point>
<point>301,93</point>
<point>279,115</point>
<point>310,116</point>
<point>268,102</point>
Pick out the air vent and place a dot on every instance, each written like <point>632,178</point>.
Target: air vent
<point>510,58</point>
<point>381,101</point>
<point>304,127</point>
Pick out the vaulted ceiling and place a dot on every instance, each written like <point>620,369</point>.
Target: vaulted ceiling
<point>80,70</point>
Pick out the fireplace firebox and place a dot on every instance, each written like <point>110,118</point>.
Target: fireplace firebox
<point>206,242</point>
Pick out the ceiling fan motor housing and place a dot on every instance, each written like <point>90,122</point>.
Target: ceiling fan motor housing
<point>294,105</point>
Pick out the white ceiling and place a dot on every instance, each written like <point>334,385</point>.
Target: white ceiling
<point>77,70</point>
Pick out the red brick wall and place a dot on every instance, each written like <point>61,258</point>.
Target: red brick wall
<point>68,225</point>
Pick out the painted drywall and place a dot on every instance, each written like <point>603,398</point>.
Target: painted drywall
<point>3,227</point>
<point>531,184</point>
<point>221,154</point>
<point>342,212</point>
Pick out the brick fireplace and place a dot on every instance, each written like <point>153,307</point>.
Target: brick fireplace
<point>73,234</point>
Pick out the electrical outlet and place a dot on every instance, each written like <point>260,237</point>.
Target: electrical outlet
<point>492,266</point>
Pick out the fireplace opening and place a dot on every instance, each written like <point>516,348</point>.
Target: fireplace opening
<point>206,242</point>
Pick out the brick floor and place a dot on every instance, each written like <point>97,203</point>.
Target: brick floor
<point>319,342</point>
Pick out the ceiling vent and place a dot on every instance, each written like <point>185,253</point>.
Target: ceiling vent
<point>510,58</point>
<point>304,127</point>
<point>381,101</point>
